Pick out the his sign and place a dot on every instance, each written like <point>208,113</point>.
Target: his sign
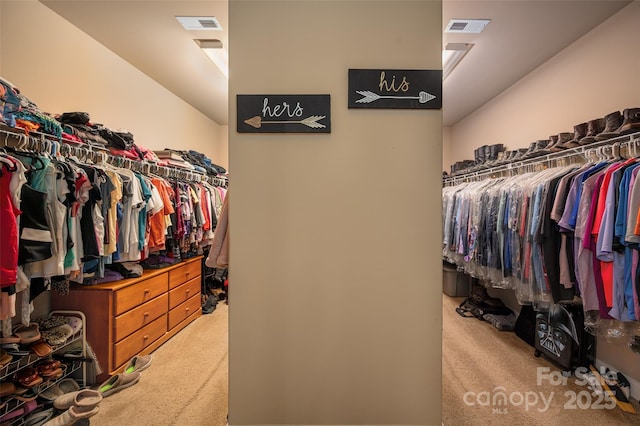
<point>395,89</point>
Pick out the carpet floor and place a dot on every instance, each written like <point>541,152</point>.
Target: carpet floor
<point>478,360</point>
<point>187,382</point>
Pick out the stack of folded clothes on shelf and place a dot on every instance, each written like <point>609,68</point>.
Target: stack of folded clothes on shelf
<point>79,127</point>
<point>9,103</point>
<point>16,110</point>
<point>190,159</point>
<point>76,127</point>
<point>175,160</point>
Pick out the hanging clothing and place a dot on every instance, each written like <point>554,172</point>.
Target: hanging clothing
<point>552,235</point>
<point>219,252</point>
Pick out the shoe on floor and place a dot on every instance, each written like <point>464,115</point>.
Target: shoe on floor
<point>624,385</point>
<point>72,415</point>
<point>138,363</point>
<point>118,382</point>
<point>60,388</point>
<point>39,417</point>
<point>81,398</point>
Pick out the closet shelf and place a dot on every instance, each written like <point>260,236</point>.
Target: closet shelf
<point>596,150</point>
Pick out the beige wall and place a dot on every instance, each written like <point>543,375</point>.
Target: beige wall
<point>593,77</point>
<point>447,149</point>
<point>221,148</point>
<point>62,69</point>
<point>335,254</point>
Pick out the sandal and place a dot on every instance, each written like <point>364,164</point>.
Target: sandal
<point>27,395</point>
<point>72,415</point>
<point>83,398</point>
<point>6,389</point>
<point>9,339</point>
<point>47,366</point>
<point>58,335</point>
<point>52,321</point>
<point>56,374</point>
<point>28,334</point>
<point>75,323</point>
<point>41,348</point>
<point>27,377</point>
<point>14,349</point>
<point>138,363</point>
<point>38,417</point>
<point>5,358</point>
<point>118,382</point>
<point>62,387</point>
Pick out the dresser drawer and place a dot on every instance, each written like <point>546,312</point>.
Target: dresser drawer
<point>184,292</point>
<point>139,293</point>
<point>184,273</point>
<point>138,317</point>
<point>183,311</point>
<point>132,345</point>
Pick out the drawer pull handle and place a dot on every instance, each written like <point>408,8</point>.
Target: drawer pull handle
<point>188,273</point>
<point>186,309</point>
<point>188,290</point>
<point>146,314</point>
<point>145,337</point>
<point>146,291</point>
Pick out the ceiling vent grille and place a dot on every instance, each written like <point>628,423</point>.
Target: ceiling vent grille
<point>458,26</point>
<point>466,26</point>
<point>199,23</point>
<point>209,23</point>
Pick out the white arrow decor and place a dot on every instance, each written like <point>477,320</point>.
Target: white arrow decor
<point>369,97</point>
<point>311,121</point>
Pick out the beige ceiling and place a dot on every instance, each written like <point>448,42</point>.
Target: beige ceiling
<point>522,35</point>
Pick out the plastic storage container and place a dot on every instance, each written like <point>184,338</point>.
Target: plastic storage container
<point>454,283</point>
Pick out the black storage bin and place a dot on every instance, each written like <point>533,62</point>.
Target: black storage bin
<point>454,283</point>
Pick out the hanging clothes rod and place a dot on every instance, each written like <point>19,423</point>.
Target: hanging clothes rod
<point>610,148</point>
<point>44,143</point>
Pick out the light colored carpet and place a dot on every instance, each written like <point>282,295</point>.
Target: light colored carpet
<point>477,359</point>
<point>186,383</point>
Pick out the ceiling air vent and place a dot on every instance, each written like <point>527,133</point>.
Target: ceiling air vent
<point>199,23</point>
<point>458,26</point>
<point>209,23</point>
<point>466,26</point>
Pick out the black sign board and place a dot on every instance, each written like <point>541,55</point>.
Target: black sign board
<point>395,89</point>
<point>284,113</point>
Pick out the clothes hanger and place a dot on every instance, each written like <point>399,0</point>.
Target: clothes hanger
<point>8,164</point>
<point>36,164</point>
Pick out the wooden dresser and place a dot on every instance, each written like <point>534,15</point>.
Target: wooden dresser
<point>135,316</point>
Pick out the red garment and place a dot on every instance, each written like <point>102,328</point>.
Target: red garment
<point>9,232</point>
<point>147,154</point>
<point>130,154</point>
<point>606,267</point>
<point>205,208</point>
<point>68,137</point>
